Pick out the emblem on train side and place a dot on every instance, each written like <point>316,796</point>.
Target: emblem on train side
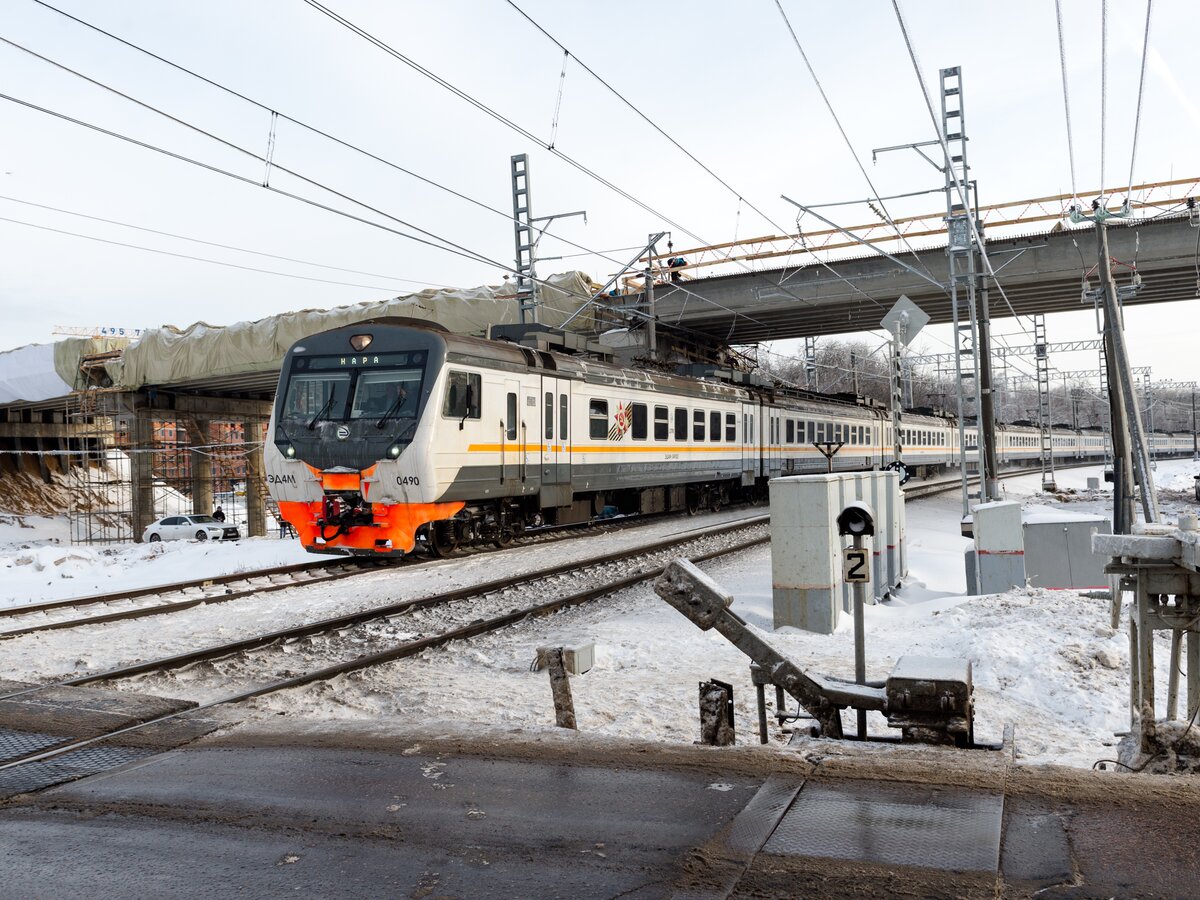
<point>343,432</point>
<point>622,419</point>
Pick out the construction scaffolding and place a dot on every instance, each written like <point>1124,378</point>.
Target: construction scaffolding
<point>129,465</point>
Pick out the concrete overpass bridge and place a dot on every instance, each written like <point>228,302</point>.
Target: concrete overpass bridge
<point>1040,273</point>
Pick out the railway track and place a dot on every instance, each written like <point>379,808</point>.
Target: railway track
<point>184,595</point>
<point>267,663</point>
<point>399,630</point>
<point>152,601</point>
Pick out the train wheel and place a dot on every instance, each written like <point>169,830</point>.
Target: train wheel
<point>714,501</point>
<point>504,538</point>
<point>442,539</point>
<point>693,502</point>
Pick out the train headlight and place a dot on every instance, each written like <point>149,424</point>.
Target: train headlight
<point>395,451</point>
<point>361,342</point>
<point>291,451</point>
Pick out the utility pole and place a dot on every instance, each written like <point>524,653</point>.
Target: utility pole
<point>972,334</point>
<point>854,371</point>
<point>1130,456</point>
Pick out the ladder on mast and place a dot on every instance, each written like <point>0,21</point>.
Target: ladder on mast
<point>962,254</point>
<point>1046,437</point>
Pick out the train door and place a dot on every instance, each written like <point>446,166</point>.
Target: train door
<point>510,431</point>
<point>774,440</point>
<point>554,441</point>
<point>749,445</point>
<point>527,436</point>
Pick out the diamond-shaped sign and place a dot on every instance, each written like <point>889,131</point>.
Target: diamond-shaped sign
<point>905,320</point>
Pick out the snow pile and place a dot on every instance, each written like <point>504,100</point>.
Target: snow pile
<point>49,568</point>
<point>1183,481</point>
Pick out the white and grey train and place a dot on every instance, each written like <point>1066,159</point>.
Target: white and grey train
<point>392,433</point>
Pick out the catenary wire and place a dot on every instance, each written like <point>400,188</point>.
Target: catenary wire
<point>358,149</point>
<point>1062,60</point>
<point>215,262</point>
<point>1103,90</point>
<point>182,237</point>
<point>1137,119</point>
<point>961,189</point>
<point>846,139</point>
<point>482,107</point>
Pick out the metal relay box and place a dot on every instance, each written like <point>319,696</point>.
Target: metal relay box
<point>931,693</point>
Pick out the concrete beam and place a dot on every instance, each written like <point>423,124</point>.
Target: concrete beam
<point>220,409</point>
<point>1039,273</point>
<point>45,430</point>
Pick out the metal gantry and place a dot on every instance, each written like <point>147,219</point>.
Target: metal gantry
<point>963,255</point>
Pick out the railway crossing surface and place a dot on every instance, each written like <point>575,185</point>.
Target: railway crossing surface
<point>354,811</point>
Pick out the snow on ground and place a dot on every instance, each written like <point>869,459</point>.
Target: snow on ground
<point>1043,660</point>
<point>38,561</point>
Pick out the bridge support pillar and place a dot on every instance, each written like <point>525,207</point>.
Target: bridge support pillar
<point>256,511</point>
<point>141,471</point>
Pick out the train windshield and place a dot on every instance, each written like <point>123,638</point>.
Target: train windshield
<point>390,394</point>
<point>311,398</point>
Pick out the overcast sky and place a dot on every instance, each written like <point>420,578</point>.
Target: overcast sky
<point>723,79</point>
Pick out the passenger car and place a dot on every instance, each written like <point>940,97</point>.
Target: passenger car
<point>182,528</point>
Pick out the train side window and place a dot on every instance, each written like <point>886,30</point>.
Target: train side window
<point>549,415</point>
<point>511,417</point>
<point>662,429</point>
<point>714,426</point>
<point>639,421</point>
<point>462,396</point>
<point>791,431</point>
<point>598,419</point>
<point>752,428</point>
<point>730,427</point>
<point>681,425</point>
<point>698,425</point>
<point>562,417</point>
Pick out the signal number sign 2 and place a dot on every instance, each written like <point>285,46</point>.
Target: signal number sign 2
<point>856,565</point>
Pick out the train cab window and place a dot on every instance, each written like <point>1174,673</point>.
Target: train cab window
<point>391,393</point>
<point>714,426</point>
<point>598,419</point>
<point>698,425</point>
<point>549,415</point>
<point>310,397</point>
<point>791,431</point>
<point>730,427</point>
<point>639,421</point>
<point>510,420</point>
<point>662,429</point>
<point>681,425</point>
<point>462,396</point>
<point>562,417</point>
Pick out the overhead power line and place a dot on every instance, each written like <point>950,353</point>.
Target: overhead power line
<point>959,186</point>
<point>887,217</point>
<point>215,262</point>
<point>528,135</point>
<point>1137,118</point>
<point>193,240</point>
<point>343,143</point>
<point>1062,59</point>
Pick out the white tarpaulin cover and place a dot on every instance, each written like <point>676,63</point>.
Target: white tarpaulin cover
<point>46,371</point>
<point>170,355</point>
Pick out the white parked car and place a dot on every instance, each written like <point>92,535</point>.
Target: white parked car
<point>183,528</point>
